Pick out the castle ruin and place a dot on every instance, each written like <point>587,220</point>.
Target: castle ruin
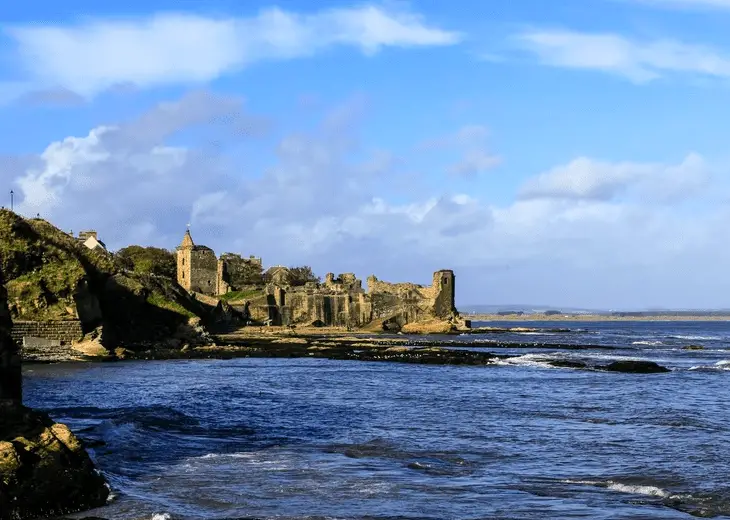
<point>199,270</point>
<point>338,301</point>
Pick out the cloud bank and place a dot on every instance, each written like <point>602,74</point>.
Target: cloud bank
<point>175,48</point>
<point>588,232</point>
<point>636,60</point>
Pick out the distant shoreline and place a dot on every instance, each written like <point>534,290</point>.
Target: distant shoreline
<point>592,317</point>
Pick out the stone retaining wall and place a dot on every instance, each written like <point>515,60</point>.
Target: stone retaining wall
<point>66,332</point>
<point>47,341</point>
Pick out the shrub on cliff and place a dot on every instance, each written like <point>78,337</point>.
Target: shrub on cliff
<point>148,260</point>
<point>302,275</point>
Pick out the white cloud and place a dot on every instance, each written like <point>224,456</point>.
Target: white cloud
<point>171,48</point>
<point>587,179</point>
<point>639,61</point>
<point>588,233</point>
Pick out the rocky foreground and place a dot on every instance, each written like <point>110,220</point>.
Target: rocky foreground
<point>44,469</point>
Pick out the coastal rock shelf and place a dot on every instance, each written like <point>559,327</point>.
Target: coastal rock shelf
<point>376,348</point>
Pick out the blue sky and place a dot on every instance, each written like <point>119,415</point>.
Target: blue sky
<point>561,153</point>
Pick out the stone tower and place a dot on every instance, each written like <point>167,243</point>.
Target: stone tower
<point>184,260</point>
<point>444,289</point>
<point>197,267</point>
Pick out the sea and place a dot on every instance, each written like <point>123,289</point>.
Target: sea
<point>321,439</point>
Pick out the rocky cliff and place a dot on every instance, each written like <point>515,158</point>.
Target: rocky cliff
<point>50,275</point>
<point>44,470</point>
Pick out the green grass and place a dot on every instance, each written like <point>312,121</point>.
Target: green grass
<point>163,303</point>
<point>240,295</point>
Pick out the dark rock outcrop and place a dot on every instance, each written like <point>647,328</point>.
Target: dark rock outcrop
<point>634,367</point>
<point>11,385</point>
<point>44,469</point>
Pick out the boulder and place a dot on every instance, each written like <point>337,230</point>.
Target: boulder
<point>428,327</point>
<point>44,469</point>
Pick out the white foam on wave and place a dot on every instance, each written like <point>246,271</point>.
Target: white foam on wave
<point>633,489</point>
<point>227,455</point>
<point>638,490</point>
<point>161,516</point>
<point>263,461</point>
<point>531,360</point>
<point>720,365</point>
<point>648,343</point>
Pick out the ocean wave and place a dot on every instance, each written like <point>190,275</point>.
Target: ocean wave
<point>621,487</point>
<point>531,360</point>
<point>696,503</point>
<point>638,489</point>
<point>723,365</point>
<point>648,343</point>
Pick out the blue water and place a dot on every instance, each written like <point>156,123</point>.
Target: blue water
<point>314,438</point>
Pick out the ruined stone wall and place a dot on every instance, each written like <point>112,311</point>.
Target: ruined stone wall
<point>341,302</point>
<point>221,285</point>
<point>407,302</point>
<point>407,291</point>
<point>444,288</point>
<point>11,383</point>
<point>64,332</point>
<point>345,282</point>
<point>236,272</point>
<point>330,309</point>
<point>203,271</point>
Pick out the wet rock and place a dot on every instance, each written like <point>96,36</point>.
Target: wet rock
<point>694,347</point>
<point>44,470</point>
<point>634,367</point>
<point>428,327</point>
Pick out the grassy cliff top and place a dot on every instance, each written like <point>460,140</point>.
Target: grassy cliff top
<point>51,275</point>
<point>29,246</point>
<point>44,267</point>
